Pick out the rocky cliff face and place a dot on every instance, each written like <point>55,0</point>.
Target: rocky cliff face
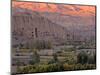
<point>28,25</point>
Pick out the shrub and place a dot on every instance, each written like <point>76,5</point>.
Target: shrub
<point>66,67</point>
<point>54,67</point>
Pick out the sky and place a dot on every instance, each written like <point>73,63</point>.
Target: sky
<point>78,10</point>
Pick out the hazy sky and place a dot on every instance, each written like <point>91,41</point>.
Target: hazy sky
<point>78,10</point>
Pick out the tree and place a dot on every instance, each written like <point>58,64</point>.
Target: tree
<point>35,58</point>
<point>92,59</point>
<point>82,57</point>
<point>54,60</point>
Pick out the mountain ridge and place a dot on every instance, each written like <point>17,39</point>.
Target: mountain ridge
<point>60,8</point>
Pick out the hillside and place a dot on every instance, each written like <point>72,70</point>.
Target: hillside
<point>28,25</point>
<point>52,22</point>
